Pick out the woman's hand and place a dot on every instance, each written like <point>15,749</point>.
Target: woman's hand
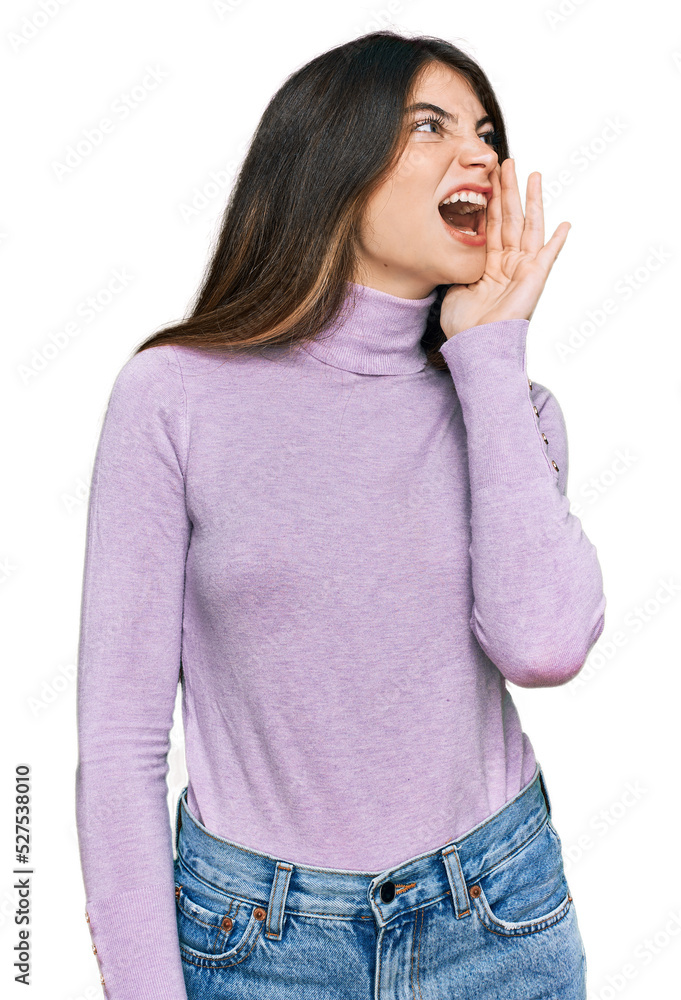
<point>517,264</point>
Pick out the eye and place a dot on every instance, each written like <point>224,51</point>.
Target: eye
<point>491,138</point>
<point>431,120</point>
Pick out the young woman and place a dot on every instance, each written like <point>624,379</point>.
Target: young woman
<point>332,504</point>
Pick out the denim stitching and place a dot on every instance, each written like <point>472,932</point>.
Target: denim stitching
<point>274,888</point>
<point>323,914</point>
<point>413,952</point>
<point>276,877</point>
<point>193,916</point>
<point>511,853</point>
<point>416,990</point>
<point>464,913</point>
<point>217,888</point>
<point>495,815</point>
<point>491,923</point>
<point>202,962</point>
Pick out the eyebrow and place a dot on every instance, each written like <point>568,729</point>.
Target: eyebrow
<point>423,106</point>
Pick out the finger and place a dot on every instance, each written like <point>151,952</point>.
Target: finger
<point>493,214</point>
<point>512,218</point>
<point>533,232</point>
<point>547,255</point>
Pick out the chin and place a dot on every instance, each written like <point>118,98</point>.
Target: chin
<point>466,272</point>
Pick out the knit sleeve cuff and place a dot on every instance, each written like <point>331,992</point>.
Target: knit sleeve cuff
<point>472,350</point>
<point>135,941</point>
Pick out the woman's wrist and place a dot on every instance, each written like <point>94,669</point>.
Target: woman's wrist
<point>491,318</point>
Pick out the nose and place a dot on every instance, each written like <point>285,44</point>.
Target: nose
<point>474,150</point>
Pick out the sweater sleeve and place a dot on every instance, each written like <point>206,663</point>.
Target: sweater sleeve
<point>128,669</point>
<point>539,605</point>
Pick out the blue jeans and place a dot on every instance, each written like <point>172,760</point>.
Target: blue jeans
<point>488,916</point>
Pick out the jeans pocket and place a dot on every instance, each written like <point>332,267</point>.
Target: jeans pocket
<point>215,929</point>
<point>527,891</point>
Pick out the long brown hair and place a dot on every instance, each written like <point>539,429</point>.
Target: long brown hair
<point>289,236</point>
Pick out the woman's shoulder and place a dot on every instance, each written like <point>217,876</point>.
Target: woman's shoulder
<point>167,364</point>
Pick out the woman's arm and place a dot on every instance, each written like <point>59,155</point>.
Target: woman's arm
<point>128,667</point>
<point>539,602</point>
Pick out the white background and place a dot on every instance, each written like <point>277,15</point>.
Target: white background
<point>591,96</point>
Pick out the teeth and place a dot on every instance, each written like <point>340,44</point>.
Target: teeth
<point>470,197</point>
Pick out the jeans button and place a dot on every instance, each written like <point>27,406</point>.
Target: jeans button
<point>388,892</point>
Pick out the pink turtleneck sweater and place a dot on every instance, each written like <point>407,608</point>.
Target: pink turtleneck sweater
<point>350,553</point>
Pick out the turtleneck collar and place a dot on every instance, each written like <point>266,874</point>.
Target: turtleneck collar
<point>375,333</point>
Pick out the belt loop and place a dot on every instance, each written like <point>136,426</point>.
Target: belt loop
<point>545,793</point>
<point>460,899</point>
<point>277,903</point>
<point>178,819</point>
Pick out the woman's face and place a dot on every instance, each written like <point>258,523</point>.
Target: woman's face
<point>407,247</point>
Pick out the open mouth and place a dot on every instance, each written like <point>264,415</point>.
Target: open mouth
<point>464,217</point>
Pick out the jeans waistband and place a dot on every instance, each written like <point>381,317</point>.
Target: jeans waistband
<point>278,884</point>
